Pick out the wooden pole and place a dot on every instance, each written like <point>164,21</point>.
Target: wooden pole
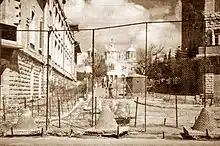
<point>0,66</point>
<point>95,109</point>
<point>136,112</point>
<point>176,111</point>
<point>25,103</point>
<point>87,87</point>
<point>4,113</point>
<point>68,103</point>
<point>93,72</point>
<point>47,90</point>
<point>32,106</point>
<point>61,103</point>
<point>123,87</point>
<point>204,65</point>
<point>12,133</point>
<point>59,112</point>
<point>50,103</point>
<point>117,87</point>
<point>145,93</point>
<point>118,133</point>
<point>164,121</point>
<point>38,107</point>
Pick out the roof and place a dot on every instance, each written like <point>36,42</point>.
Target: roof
<point>131,49</point>
<point>135,75</point>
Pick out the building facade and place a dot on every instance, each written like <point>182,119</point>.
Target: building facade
<point>30,32</point>
<point>201,37</point>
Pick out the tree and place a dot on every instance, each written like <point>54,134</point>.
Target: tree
<point>152,52</point>
<point>100,68</point>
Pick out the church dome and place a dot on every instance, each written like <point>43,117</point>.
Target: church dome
<point>131,49</point>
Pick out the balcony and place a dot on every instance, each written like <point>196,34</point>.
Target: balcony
<point>210,51</point>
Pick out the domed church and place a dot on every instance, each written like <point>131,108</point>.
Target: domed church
<point>120,63</point>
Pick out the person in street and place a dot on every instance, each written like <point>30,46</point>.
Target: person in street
<point>103,83</point>
<point>110,90</point>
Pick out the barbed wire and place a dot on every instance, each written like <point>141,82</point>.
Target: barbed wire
<point>116,26</point>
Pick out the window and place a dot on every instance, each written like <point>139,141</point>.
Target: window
<point>217,5</point>
<point>209,37</point>
<point>55,43</point>
<point>41,34</point>
<point>217,37</point>
<point>32,34</point>
<point>8,35</point>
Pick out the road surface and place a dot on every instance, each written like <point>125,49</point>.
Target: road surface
<point>55,141</point>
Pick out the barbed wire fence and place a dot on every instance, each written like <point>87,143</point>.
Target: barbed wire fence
<point>65,96</point>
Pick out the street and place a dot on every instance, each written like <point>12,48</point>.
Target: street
<point>55,141</point>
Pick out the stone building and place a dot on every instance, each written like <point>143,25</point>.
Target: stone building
<point>200,18</point>
<point>25,42</point>
<point>201,37</point>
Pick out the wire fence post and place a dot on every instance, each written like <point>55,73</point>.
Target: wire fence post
<point>61,103</point>
<point>176,111</point>
<point>0,74</point>
<point>50,102</point>
<point>93,72</point>
<point>48,61</point>
<point>59,112</point>
<point>145,93</point>
<point>32,106</point>
<point>4,113</point>
<point>38,107</point>
<point>136,111</point>
<point>204,66</point>
<point>95,109</point>
<point>25,102</point>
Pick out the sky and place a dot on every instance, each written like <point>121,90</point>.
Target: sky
<point>101,13</point>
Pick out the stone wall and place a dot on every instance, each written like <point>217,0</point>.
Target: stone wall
<point>27,82</point>
<point>31,80</point>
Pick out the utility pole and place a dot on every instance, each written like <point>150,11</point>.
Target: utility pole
<point>145,93</point>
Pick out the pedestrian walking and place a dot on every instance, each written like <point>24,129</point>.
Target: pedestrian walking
<point>110,90</point>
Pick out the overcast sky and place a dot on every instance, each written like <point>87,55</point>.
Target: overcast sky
<point>98,13</point>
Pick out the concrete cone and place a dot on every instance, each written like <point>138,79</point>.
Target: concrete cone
<point>25,121</point>
<point>205,121</point>
<point>122,110</point>
<point>106,120</point>
<point>99,105</point>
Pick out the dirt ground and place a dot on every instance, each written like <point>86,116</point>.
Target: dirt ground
<point>158,108</point>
